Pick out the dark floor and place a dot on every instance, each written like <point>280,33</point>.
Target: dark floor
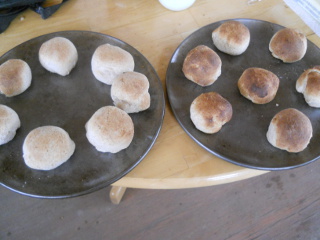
<point>278,205</point>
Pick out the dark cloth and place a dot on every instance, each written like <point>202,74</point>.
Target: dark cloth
<point>9,9</point>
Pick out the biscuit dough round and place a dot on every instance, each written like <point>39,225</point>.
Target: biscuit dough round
<point>210,111</point>
<point>110,129</point>
<point>258,85</point>
<point>9,123</point>
<point>231,37</point>
<point>290,130</point>
<point>129,92</point>
<point>15,77</point>
<point>288,45</point>
<point>58,55</point>
<point>47,147</point>
<point>109,61</point>
<point>309,85</point>
<point>202,65</point>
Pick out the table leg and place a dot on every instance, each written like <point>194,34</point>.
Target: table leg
<point>116,194</point>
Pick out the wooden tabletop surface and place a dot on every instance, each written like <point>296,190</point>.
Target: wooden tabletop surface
<point>175,161</point>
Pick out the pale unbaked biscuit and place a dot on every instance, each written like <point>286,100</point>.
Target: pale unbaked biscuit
<point>110,129</point>
<point>47,147</point>
<point>109,61</point>
<point>58,55</point>
<point>9,123</point>
<point>129,91</point>
<point>15,77</point>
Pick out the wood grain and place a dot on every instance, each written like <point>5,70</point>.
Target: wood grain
<point>279,205</point>
<point>175,161</point>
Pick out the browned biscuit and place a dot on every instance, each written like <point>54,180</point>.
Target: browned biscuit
<point>258,85</point>
<point>309,85</point>
<point>202,65</point>
<point>289,45</point>
<point>231,37</point>
<point>290,130</point>
<point>210,111</point>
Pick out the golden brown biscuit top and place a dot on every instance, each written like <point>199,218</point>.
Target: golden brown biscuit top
<point>201,63</point>
<point>212,103</point>
<point>288,44</point>
<point>293,128</point>
<point>233,31</point>
<point>312,78</point>
<point>258,81</point>
<point>313,84</point>
<point>258,84</point>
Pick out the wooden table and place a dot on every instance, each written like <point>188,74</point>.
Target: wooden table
<point>175,161</point>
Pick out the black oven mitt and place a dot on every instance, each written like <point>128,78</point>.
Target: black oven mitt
<point>9,9</point>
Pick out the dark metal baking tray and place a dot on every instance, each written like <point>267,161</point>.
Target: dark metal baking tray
<point>243,140</point>
<point>69,102</point>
